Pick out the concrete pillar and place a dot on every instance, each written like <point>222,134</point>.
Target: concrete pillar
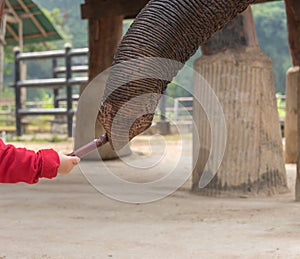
<point>290,124</point>
<point>253,163</point>
<point>292,8</point>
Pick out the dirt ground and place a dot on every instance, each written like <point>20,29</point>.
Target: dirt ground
<point>68,218</point>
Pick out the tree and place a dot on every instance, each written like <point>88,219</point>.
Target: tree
<point>270,22</point>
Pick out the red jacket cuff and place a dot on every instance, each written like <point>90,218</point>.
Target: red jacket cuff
<point>50,163</point>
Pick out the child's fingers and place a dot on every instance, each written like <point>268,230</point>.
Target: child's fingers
<point>75,160</point>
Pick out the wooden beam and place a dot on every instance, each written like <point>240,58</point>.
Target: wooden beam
<point>2,3</point>
<point>12,32</point>
<point>95,9</point>
<point>128,9</point>
<point>2,40</point>
<point>264,1</point>
<point>33,35</point>
<point>12,11</point>
<point>34,20</point>
<point>11,19</point>
<point>17,8</point>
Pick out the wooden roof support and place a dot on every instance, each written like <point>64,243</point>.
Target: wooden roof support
<point>129,9</point>
<point>12,32</point>
<point>17,8</point>
<point>34,20</point>
<point>293,23</point>
<point>2,31</point>
<point>2,3</point>
<point>105,35</point>
<point>264,1</point>
<point>11,19</point>
<point>31,35</point>
<point>102,8</point>
<point>19,37</point>
<point>12,11</point>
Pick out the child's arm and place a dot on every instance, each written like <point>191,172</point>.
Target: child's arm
<point>22,165</point>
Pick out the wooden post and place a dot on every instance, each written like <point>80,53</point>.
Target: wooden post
<point>297,185</point>
<point>241,76</point>
<point>56,90</point>
<point>68,64</point>
<point>23,75</point>
<point>17,92</point>
<point>105,34</point>
<point>2,3</point>
<point>293,23</point>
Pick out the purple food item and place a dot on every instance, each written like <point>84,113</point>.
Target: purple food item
<point>84,150</point>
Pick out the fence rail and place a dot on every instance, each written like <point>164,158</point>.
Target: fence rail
<point>54,83</point>
<point>180,107</point>
<point>184,104</point>
<point>6,113</point>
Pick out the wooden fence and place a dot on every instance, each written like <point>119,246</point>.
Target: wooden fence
<point>56,83</point>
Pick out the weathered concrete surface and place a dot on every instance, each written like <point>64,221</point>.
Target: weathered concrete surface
<point>68,218</point>
<point>253,162</point>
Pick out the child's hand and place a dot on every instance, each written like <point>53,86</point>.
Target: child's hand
<point>67,163</point>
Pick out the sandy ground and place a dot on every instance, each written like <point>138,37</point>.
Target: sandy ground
<point>68,218</point>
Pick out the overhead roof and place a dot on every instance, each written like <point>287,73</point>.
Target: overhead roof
<point>27,23</point>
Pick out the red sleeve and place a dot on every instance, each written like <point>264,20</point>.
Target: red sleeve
<point>22,165</point>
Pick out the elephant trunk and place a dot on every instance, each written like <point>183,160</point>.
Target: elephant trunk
<point>164,29</point>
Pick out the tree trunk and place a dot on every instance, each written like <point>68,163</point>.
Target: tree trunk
<point>242,78</point>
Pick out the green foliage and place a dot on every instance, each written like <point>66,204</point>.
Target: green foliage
<point>281,105</point>
<point>270,20</point>
<point>271,28</point>
<point>176,90</point>
<point>126,25</point>
<point>57,18</point>
<point>68,17</point>
<point>183,83</point>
